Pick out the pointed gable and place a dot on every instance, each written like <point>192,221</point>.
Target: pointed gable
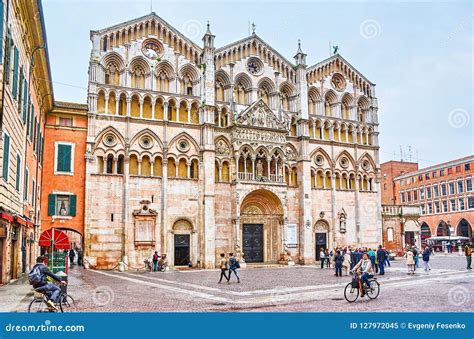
<point>260,115</point>
<point>337,63</point>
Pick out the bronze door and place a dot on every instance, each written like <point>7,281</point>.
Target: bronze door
<point>253,242</point>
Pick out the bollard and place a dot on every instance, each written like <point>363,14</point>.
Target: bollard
<point>121,266</point>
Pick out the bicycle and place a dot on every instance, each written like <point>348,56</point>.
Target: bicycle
<point>351,293</point>
<point>65,303</point>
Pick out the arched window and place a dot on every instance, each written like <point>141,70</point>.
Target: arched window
<point>171,168</point>
<point>225,177</point>
<point>146,166</point>
<point>110,164</point>
<point>194,172</point>
<point>158,167</point>
<point>182,168</point>
<point>138,77</point>
<point>133,165</point>
<point>120,164</point>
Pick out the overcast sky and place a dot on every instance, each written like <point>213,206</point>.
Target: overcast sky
<point>418,54</point>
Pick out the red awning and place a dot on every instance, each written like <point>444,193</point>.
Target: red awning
<point>56,238</point>
<point>23,221</point>
<point>6,216</point>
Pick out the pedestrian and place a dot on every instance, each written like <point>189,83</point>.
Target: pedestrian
<point>387,258</point>
<point>353,258</point>
<point>327,258</point>
<point>371,254</point>
<point>468,254</point>
<point>80,257</point>
<point>426,258</point>
<point>72,255</point>
<point>347,264</point>
<point>415,256</point>
<point>233,266</point>
<point>338,260</point>
<point>322,257</point>
<point>381,257</point>
<point>410,262</point>
<point>155,259</point>
<point>223,267</point>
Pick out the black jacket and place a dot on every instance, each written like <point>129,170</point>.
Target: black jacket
<point>45,272</point>
<point>381,255</point>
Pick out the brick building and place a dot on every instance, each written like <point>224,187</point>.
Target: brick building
<point>25,96</point>
<point>64,170</point>
<point>442,192</point>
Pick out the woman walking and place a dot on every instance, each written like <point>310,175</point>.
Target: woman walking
<point>347,264</point>
<point>223,265</point>
<point>410,262</point>
<point>426,259</point>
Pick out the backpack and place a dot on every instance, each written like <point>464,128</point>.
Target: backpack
<point>35,277</point>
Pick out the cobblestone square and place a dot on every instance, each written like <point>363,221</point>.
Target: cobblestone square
<point>447,287</point>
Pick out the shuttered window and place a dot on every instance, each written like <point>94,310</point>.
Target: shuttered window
<point>63,158</point>
<point>15,73</point>
<point>25,185</point>
<point>21,95</point>
<point>6,156</point>
<point>31,122</point>
<point>26,101</point>
<point>62,205</point>
<point>2,7</point>
<point>18,173</point>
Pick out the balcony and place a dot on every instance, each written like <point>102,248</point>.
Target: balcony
<point>273,178</point>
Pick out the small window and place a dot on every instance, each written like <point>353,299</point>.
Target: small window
<point>462,207</point>
<point>64,159</point>
<point>470,203</point>
<point>441,173</point>
<point>433,175</point>
<point>468,185</point>
<point>458,169</point>
<point>62,205</point>
<point>427,176</point>
<point>450,171</point>
<point>390,234</point>
<point>420,177</point>
<point>467,167</point>
<point>65,122</point>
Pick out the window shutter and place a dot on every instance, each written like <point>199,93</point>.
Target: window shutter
<point>21,89</point>
<point>25,186</point>
<point>64,158</point>
<point>1,30</point>
<point>32,116</point>
<point>52,204</point>
<point>72,205</point>
<point>6,155</point>
<point>18,173</point>
<point>15,73</point>
<point>26,101</point>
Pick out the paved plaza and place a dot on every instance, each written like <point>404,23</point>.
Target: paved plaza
<point>447,287</point>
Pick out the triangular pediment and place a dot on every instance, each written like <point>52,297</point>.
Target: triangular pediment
<point>259,115</point>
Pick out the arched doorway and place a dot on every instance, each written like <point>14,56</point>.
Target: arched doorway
<point>410,232</point>
<point>261,215</point>
<point>443,229</point>
<point>321,230</point>
<point>183,243</point>
<point>425,233</point>
<point>464,229</point>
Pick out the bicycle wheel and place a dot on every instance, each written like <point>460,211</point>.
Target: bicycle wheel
<point>67,303</point>
<point>37,305</point>
<point>374,289</point>
<point>351,293</point>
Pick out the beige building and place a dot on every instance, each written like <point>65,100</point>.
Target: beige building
<point>194,150</point>
<point>25,95</point>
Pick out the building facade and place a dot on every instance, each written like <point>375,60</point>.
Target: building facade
<point>64,170</point>
<point>194,150</point>
<point>26,94</point>
<point>443,193</point>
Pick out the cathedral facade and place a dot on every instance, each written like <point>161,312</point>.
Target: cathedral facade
<point>196,150</point>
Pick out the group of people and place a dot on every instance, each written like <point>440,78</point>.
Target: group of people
<point>347,258</point>
<point>75,253</point>
<point>230,265</point>
<point>160,262</point>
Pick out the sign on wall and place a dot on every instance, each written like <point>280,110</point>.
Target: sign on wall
<point>291,235</point>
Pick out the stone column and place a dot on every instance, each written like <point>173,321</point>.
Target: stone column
<point>357,209</point>
<point>141,107</point>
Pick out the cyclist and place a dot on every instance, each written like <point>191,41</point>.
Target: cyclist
<point>365,267</point>
<point>38,278</point>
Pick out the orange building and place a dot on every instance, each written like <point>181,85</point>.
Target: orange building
<point>443,193</point>
<point>389,171</point>
<point>62,194</point>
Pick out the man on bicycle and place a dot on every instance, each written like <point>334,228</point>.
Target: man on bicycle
<point>365,267</point>
<point>38,278</point>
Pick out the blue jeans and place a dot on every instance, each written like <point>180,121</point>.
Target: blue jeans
<point>416,261</point>
<point>365,278</point>
<point>155,266</point>
<point>51,290</point>
<point>235,272</point>
<point>381,269</point>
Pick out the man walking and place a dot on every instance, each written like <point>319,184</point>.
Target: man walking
<point>233,266</point>
<point>223,267</point>
<point>468,254</point>
<point>381,256</point>
<point>338,260</point>
<point>72,255</point>
<point>322,258</point>
<point>426,259</point>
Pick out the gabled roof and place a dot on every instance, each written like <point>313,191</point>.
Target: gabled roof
<point>261,116</point>
<point>334,57</point>
<point>259,39</point>
<point>143,18</point>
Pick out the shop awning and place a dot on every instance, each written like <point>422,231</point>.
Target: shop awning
<point>6,216</point>
<point>23,221</point>
<point>56,238</point>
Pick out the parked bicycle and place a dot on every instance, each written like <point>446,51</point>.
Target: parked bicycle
<point>65,303</point>
<point>351,292</point>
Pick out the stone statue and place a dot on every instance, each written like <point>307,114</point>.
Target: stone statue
<point>259,168</point>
